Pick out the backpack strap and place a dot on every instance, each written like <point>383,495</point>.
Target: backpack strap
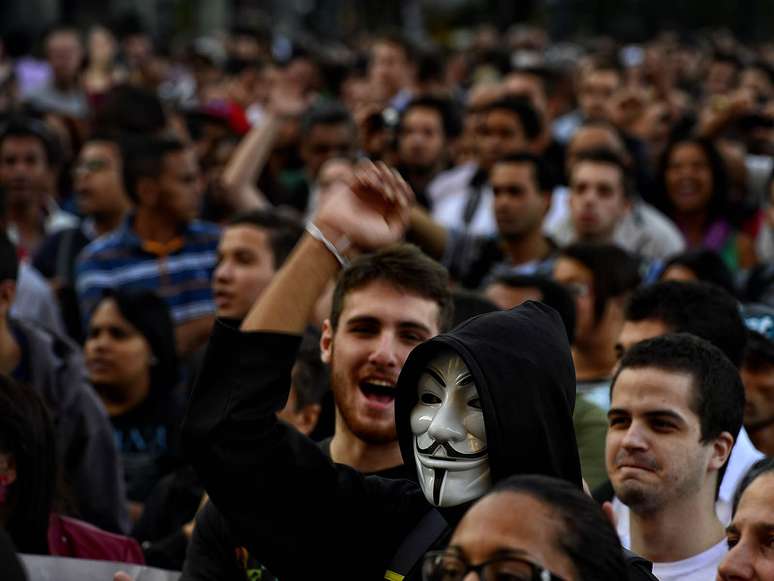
<point>427,531</point>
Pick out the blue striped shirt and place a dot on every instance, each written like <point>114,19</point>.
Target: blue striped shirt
<point>119,260</point>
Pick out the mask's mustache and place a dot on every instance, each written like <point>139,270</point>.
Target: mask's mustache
<point>451,452</point>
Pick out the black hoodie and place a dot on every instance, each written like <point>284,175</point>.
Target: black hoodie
<point>305,517</point>
<point>522,366</point>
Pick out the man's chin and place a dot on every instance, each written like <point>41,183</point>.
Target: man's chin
<point>373,432</point>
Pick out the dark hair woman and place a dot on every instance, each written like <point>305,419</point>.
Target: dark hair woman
<point>693,191</point>
<point>132,363</point>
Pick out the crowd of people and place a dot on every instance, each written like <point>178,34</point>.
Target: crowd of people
<point>390,310</point>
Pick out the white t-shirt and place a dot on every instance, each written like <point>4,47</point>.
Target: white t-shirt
<point>701,567</point>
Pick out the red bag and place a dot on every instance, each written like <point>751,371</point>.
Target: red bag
<point>69,537</point>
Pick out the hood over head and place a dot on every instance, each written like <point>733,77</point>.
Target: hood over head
<point>522,366</point>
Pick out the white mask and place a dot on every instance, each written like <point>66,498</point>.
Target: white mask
<point>449,438</point>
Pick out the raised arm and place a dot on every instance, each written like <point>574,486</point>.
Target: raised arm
<point>278,492</point>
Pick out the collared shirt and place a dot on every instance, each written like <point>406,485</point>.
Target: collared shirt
<point>461,199</point>
<point>474,261</point>
<point>180,272</point>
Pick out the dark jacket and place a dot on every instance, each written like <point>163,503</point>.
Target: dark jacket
<point>86,450</point>
<point>303,516</point>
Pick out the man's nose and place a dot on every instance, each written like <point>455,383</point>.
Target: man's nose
<point>385,353</point>
<point>738,563</point>
<point>634,438</point>
<point>223,271</point>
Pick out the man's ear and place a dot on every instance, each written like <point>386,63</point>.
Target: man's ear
<point>326,341</point>
<point>307,418</point>
<point>721,450</point>
<point>147,191</point>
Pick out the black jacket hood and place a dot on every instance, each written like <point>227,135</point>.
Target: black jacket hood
<point>522,365</point>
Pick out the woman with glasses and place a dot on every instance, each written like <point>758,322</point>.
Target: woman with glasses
<point>532,528</point>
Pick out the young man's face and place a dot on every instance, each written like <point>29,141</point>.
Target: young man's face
<point>326,141</point>
<point>597,200</point>
<point>595,93</point>
<point>180,186</point>
<point>519,205</point>
<point>422,139</point>
<point>245,268</point>
<point>501,134</point>
<point>98,181</point>
<point>24,170</point>
<point>389,68</point>
<point>379,326</point>
<point>759,396</point>
<point>653,453</point>
<point>579,281</point>
<point>750,556</point>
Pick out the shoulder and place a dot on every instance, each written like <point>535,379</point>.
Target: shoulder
<point>456,177</point>
<point>204,231</point>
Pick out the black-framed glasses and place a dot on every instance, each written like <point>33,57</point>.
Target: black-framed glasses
<point>90,166</point>
<point>577,289</point>
<point>451,566</point>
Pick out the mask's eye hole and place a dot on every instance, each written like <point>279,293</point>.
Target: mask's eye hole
<point>428,398</point>
<point>475,403</point>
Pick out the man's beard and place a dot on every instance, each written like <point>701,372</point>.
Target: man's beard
<point>346,407</point>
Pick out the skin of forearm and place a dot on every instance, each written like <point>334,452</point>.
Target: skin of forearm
<point>285,306</point>
<point>250,155</point>
<point>426,233</point>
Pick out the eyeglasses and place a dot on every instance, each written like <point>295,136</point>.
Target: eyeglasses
<point>451,566</point>
<point>577,289</point>
<point>90,166</point>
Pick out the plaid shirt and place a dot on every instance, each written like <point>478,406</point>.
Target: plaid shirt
<point>181,274</point>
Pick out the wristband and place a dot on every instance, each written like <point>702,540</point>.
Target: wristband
<point>315,233</point>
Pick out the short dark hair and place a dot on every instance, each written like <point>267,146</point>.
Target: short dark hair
<point>614,271</point>
<point>130,109</point>
<point>699,308</point>
<point>523,109</point>
<point>541,173</point>
<point>762,467</point>
<point>284,230</point>
<point>587,537</point>
<point>607,156</point>
<point>326,112</point>
<point>708,266</point>
<point>758,352</point>
<point>718,393</point>
<point>447,111</point>
<point>143,158</point>
<point>468,304</point>
<point>9,261</point>
<point>396,38</point>
<point>22,126</point>
<point>401,265</point>
<point>310,375</point>
<point>552,294</point>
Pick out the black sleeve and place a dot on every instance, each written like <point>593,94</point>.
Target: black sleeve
<point>281,496</point>
<point>212,552</point>
<point>173,503</point>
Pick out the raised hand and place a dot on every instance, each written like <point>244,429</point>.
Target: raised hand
<point>372,212</point>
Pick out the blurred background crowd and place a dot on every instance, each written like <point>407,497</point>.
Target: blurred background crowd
<point>158,160</point>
